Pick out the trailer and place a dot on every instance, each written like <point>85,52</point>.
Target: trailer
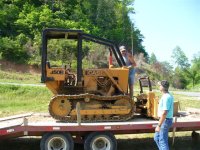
<point>94,136</point>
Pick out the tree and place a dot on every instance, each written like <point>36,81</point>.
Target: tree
<point>163,70</point>
<point>193,73</point>
<point>8,15</point>
<point>180,58</point>
<point>152,59</point>
<point>196,61</point>
<point>12,51</point>
<point>179,79</point>
<point>23,21</point>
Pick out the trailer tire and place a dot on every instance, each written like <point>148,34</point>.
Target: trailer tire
<point>100,141</point>
<point>54,141</point>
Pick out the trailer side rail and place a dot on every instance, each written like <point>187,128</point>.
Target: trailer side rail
<point>38,128</point>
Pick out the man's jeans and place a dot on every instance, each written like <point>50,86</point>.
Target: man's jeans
<point>161,138</point>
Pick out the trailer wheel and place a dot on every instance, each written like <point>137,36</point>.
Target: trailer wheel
<point>100,141</point>
<point>57,141</point>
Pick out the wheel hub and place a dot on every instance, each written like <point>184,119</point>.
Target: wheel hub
<point>57,144</point>
<point>101,143</point>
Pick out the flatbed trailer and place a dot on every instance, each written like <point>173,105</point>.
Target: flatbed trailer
<point>95,136</point>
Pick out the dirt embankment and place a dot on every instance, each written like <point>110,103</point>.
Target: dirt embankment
<point>24,68</point>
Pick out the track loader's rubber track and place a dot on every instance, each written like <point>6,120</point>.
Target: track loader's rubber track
<point>71,100</point>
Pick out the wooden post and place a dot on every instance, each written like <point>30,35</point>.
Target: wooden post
<point>174,131</point>
<point>78,112</point>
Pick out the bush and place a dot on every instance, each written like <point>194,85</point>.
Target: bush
<point>12,51</point>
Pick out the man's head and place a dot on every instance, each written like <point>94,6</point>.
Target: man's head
<point>122,49</point>
<point>164,85</point>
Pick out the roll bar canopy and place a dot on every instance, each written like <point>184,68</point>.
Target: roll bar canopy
<point>79,35</point>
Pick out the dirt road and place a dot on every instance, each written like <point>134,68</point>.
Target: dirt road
<point>191,94</point>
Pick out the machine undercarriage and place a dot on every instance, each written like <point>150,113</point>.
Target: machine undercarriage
<point>92,108</point>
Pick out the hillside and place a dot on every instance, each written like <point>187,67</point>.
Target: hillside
<point>22,23</point>
<point>19,73</point>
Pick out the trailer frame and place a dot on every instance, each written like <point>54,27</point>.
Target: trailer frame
<point>22,125</point>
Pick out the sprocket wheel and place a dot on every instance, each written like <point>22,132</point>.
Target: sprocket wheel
<point>59,106</point>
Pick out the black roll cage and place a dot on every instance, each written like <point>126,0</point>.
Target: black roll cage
<point>54,33</point>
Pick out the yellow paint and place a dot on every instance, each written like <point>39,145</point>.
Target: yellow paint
<point>102,112</point>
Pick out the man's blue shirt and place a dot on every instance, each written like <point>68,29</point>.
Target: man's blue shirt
<point>166,103</point>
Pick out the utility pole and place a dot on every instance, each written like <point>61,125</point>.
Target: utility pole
<point>123,16</point>
<point>132,37</point>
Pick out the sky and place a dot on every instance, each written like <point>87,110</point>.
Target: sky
<point>166,24</point>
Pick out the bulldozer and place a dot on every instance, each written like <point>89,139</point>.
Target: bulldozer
<point>94,94</point>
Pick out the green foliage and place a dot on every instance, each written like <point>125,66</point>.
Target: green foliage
<point>180,58</point>
<point>159,70</point>
<point>8,14</point>
<point>152,59</point>
<point>21,99</point>
<point>98,57</point>
<point>183,76</point>
<point>179,80</point>
<point>192,73</point>
<point>22,22</point>
<point>196,61</point>
<point>186,75</point>
<point>11,50</point>
<point>64,52</point>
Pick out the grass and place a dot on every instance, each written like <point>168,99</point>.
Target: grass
<point>181,143</point>
<point>21,99</point>
<point>187,102</point>
<point>17,77</point>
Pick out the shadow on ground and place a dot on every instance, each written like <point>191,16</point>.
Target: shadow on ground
<point>181,143</point>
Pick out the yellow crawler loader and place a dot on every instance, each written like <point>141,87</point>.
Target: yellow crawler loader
<point>99,94</point>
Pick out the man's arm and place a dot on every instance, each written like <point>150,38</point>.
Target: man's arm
<point>131,59</point>
<point>161,120</point>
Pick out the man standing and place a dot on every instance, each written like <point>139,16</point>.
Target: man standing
<point>130,63</point>
<point>165,114</point>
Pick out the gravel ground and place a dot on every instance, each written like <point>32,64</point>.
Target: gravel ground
<point>181,143</point>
